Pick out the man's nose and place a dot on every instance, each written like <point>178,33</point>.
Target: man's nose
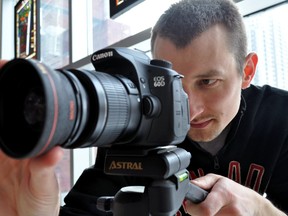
<point>196,105</point>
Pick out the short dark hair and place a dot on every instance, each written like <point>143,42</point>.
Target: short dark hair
<point>187,19</point>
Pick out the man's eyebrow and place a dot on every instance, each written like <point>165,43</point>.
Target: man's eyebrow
<point>209,73</point>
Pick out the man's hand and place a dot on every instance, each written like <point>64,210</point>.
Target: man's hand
<point>227,197</point>
<point>29,187</point>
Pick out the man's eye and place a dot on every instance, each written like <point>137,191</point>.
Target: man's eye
<point>208,82</point>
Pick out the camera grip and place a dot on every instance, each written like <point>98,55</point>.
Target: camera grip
<point>196,194</point>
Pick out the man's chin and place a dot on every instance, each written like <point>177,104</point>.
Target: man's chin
<point>201,137</point>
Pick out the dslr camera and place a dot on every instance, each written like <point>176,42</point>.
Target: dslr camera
<point>128,101</point>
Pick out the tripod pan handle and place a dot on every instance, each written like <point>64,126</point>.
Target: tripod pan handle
<point>196,194</point>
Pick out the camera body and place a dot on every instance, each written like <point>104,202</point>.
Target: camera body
<point>164,107</point>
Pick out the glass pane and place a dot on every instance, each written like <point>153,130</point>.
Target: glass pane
<point>107,31</point>
<point>54,33</point>
<point>267,35</point>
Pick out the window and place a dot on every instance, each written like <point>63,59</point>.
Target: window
<point>267,36</point>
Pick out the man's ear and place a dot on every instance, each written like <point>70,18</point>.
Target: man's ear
<point>249,69</point>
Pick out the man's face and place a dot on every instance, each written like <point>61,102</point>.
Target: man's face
<point>211,81</point>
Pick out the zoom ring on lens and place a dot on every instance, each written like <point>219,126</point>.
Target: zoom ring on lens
<point>118,108</point>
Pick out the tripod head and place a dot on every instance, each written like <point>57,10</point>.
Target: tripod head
<point>170,184</point>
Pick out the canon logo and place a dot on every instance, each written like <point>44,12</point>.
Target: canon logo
<point>102,55</point>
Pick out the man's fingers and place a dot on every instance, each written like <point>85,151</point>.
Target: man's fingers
<point>206,182</point>
<point>48,160</point>
<point>42,170</point>
<point>2,62</point>
<point>43,182</point>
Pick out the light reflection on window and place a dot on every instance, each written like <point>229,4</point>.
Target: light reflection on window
<point>54,25</point>
<point>108,31</point>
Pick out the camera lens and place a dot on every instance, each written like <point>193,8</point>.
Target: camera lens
<point>34,108</point>
<point>41,108</point>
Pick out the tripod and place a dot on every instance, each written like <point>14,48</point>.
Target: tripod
<point>170,184</point>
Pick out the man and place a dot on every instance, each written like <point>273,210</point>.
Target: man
<point>238,132</point>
